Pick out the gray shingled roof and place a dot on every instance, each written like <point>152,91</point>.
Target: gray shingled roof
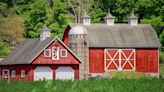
<point>121,36</point>
<point>28,50</point>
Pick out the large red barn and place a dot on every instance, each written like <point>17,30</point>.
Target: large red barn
<point>114,47</point>
<point>86,50</point>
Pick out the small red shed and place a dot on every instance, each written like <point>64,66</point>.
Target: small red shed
<point>38,59</point>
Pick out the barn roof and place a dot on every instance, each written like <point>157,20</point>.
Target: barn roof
<point>28,50</point>
<point>121,36</point>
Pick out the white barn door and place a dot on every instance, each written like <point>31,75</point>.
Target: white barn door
<point>41,73</point>
<point>65,73</point>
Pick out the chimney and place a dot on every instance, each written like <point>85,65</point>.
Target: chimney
<point>133,20</point>
<point>86,19</point>
<point>109,19</point>
<point>44,33</point>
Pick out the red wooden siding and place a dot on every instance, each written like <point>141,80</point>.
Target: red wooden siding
<point>65,35</point>
<point>147,60</point>
<point>70,59</point>
<point>96,60</point>
<point>29,71</point>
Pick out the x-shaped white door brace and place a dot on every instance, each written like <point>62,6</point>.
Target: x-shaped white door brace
<point>113,59</point>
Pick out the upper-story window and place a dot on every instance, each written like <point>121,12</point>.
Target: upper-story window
<point>55,53</point>
<point>47,53</point>
<point>63,53</point>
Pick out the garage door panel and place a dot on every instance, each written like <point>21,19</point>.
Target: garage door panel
<point>65,73</point>
<point>41,73</point>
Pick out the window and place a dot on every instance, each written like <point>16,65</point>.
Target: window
<point>22,73</point>
<point>55,53</point>
<point>63,53</point>
<point>5,74</point>
<point>47,53</point>
<point>13,73</point>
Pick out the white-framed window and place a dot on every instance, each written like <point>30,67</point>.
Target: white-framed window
<point>22,73</point>
<point>63,53</point>
<point>55,53</point>
<point>47,53</point>
<point>13,73</point>
<point>5,74</point>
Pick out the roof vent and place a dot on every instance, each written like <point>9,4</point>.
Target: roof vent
<point>86,19</point>
<point>109,19</point>
<point>133,20</point>
<point>44,33</point>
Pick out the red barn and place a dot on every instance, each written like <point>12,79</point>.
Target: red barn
<point>86,50</point>
<point>114,47</point>
<point>38,59</point>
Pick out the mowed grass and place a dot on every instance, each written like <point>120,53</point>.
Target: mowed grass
<point>161,70</point>
<point>111,85</point>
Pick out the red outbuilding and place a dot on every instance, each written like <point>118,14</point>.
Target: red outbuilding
<point>38,59</point>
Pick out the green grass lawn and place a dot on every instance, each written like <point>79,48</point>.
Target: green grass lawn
<point>162,70</point>
<point>112,85</point>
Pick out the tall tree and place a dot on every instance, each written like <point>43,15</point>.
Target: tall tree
<point>12,30</point>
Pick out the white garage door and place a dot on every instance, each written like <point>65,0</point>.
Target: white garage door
<point>65,73</point>
<point>41,73</point>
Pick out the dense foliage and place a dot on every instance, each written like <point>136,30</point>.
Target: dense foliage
<point>25,18</point>
<point>112,85</point>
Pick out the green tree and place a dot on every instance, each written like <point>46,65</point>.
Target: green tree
<point>5,48</point>
<point>156,22</point>
<point>60,18</point>
<point>162,38</point>
<point>12,30</point>
<point>119,8</point>
<point>54,14</point>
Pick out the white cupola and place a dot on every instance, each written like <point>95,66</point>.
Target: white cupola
<point>44,33</point>
<point>133,20</point>
<point>109,19</point>
<point>86,19</point>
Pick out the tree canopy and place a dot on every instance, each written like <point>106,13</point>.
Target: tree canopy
<point>25,18</point>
